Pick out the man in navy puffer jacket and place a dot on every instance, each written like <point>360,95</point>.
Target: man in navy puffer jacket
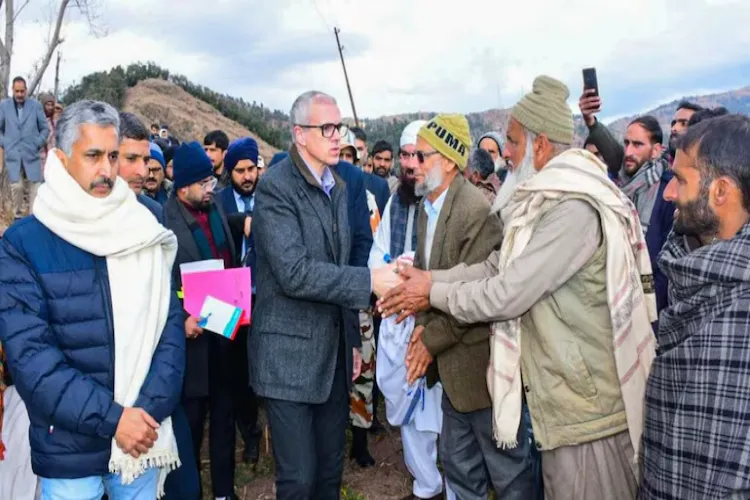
<point>72,311</point>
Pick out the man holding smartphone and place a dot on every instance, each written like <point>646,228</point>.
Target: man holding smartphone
<point>640,167</point>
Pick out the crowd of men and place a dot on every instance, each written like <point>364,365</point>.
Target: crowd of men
<point>541,321</point>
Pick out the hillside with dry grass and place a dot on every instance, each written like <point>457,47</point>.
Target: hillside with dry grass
<point>161,101</point>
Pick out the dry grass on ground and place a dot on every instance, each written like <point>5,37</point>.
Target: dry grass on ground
<point>160,101</point>
<point>388,480</point>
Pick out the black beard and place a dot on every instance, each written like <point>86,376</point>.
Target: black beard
<point>673,145</point>
<point>695,218</point>
<point>242,191</point>
<point>405,191</point>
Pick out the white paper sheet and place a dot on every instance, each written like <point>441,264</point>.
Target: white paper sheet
<point>201,265</point>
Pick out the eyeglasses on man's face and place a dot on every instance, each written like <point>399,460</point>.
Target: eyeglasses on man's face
<point>208,184</point>
<point>422,155</point>
<point>327,129</point>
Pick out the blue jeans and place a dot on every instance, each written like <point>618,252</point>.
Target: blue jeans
<point>94,487</point>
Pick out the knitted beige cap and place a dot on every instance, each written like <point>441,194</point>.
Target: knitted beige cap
<point>545,111</point>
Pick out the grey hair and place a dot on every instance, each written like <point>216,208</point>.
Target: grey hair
<point>557,147</point>
<point>83,113</point>
<point>300,113</point>
<point>480,161</point>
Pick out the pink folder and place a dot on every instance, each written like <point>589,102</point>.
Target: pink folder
<point>229,285</point>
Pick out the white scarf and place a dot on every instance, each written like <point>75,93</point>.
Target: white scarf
<point>139,253</point>
<point>579,174</point>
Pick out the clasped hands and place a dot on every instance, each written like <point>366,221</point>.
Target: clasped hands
<point>402,290</point>
<point>136,432</point>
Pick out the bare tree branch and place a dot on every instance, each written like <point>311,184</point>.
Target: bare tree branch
<point>20,9</point>
<point>6,49</point>
<point>87,8</point>
<point>54,42</point>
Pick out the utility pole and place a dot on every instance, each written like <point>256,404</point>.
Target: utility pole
<point>57,75</point>
<point>336,32</point>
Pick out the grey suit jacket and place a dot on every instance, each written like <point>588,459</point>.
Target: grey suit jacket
<point>303,284</point>
<point>23,140</point>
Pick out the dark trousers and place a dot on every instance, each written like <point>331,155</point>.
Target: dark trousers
<point>472,461</point>
<point>219,405</point>
<point>183,482</point>
<point>245,400</point>
<point>308,443</point>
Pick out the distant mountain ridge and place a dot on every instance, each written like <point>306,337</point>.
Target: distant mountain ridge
<point>389,127</point>
<point>736,101</point>
<point>271,126</point>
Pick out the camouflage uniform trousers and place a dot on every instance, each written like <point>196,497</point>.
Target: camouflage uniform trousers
<point>360,407</point>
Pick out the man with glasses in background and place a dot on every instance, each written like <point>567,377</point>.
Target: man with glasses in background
<point>299,355</point>
<point>200,225</point>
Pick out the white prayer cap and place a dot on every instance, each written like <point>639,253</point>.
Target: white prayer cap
<point>409,135</point>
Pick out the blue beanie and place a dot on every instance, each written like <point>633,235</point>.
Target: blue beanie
<point>157,155</point>
<point>244,148</point>
<point>278,158</point>
<point>191,164</point>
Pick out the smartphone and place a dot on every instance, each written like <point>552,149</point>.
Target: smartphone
<point>590,81</point>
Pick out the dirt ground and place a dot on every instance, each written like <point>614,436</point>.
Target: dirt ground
<point>388,480</point>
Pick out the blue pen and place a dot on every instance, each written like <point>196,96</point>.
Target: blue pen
<point>204,321</point>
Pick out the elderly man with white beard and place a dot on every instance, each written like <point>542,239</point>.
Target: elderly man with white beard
<point>570,299</point>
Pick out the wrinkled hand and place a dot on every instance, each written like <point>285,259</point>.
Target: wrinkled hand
<point>589,104</point>
<point>136,432</point>
<point>418,359</point>
<point>384,278</point>
<point>192,330</point>
<point>248,226</point>
<point>409,298</point>
<point>356,364</point>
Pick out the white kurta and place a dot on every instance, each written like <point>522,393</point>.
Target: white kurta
<point>416,409</point>
<point>405,404</point>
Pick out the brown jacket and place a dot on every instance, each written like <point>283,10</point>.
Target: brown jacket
<point>467,233</point>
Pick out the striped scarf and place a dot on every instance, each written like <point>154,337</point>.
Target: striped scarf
<point>643,188</point>
<point>399,223</point>
<point>578,174</point>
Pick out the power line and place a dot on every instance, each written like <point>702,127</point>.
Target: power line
<point>320,15</point>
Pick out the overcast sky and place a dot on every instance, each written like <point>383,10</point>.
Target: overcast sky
<point>414,55</point>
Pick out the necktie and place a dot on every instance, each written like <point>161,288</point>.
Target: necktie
<point>249,202</point>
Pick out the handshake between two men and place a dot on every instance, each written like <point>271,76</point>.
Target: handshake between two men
<point>403,290</point>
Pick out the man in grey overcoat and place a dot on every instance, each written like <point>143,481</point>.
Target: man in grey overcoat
<point>299,356</point>
<point>23,134</point>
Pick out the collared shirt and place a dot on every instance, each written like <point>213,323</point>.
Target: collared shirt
<point>243,207</point>
<point>326,181</point>
<point>432,209</point>
<point>19,109</point>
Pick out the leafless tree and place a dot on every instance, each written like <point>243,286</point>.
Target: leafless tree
<point>13,8</point>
